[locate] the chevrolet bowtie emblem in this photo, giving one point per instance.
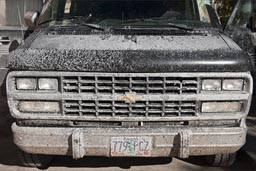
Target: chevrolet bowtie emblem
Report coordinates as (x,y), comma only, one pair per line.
(130,97)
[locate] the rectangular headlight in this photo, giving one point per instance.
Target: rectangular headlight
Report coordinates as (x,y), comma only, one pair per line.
(221,107)
(211,85)
(48,84)
(39,107)
(233,84)
(26,84)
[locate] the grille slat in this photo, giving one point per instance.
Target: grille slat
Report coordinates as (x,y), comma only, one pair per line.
(142,108)
(139,85)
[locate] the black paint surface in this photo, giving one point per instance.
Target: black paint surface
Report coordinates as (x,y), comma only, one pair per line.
(196,59)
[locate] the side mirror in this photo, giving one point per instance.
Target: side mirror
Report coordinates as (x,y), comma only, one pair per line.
(252,23)
(31,18)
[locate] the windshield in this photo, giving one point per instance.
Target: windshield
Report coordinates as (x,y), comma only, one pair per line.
(193,13)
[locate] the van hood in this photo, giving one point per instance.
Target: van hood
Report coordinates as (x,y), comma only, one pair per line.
(208,52)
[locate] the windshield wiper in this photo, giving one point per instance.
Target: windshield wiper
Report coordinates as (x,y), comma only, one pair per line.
(44,22)
(94,26)
(181,27)
(90,25)
(168,24)
(84,22)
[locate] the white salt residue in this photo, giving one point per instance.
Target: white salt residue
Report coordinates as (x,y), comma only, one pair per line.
(122,42)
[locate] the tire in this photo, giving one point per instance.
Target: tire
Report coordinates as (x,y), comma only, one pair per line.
(34,160)
(221,160)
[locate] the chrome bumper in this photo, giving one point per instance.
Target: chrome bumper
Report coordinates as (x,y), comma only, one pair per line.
(80,142)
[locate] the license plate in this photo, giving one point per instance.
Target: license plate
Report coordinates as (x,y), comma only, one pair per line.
(131,146)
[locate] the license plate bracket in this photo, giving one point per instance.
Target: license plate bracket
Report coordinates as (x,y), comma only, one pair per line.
(131,146)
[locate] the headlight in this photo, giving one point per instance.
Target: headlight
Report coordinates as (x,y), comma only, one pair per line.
(26,83)
(211,84)
(233,84)
(221,107)
(48,84)
(39,107)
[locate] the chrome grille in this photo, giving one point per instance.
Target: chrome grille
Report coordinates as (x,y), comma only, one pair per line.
(121,85)
(121,109)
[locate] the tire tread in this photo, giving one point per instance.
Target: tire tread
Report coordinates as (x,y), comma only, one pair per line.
(221,160)
(34,160)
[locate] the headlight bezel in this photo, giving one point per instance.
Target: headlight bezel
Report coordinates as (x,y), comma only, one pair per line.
(37,84)
(223,87)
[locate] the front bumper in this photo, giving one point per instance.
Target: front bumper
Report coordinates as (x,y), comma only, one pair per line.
(80,142)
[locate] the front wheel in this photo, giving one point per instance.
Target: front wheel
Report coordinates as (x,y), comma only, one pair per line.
(34,160)
(221,160)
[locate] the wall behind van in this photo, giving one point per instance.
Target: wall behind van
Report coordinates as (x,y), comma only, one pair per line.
(9,13)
